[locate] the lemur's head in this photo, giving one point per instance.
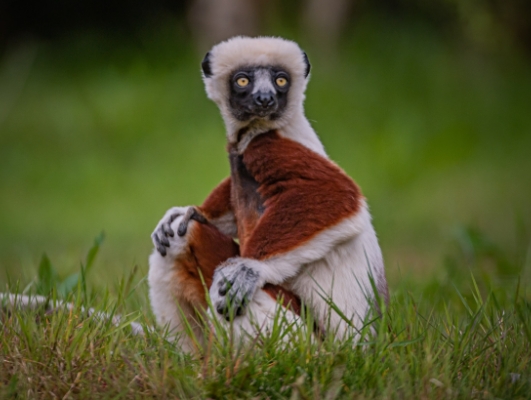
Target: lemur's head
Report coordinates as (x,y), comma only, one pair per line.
(258,83)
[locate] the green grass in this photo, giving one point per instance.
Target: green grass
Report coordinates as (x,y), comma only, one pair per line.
(467,338)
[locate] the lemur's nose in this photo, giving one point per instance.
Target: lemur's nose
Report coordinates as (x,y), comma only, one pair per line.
(264,99)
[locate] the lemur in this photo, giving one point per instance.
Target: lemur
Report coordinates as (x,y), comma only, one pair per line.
(303,226)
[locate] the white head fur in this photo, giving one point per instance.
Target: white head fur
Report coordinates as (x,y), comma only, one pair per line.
(228,56)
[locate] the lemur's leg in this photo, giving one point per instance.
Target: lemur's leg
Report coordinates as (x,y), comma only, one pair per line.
(176,280)
(187,251)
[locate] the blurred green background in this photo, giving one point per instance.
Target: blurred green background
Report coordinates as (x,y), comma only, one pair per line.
(104,123)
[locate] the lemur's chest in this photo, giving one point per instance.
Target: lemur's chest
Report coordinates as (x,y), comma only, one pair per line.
(247,203)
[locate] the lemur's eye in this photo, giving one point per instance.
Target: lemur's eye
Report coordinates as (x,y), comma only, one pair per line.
(281,81)
(242,82)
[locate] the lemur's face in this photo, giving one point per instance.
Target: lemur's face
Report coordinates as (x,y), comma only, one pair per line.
(257,83)
(258,92)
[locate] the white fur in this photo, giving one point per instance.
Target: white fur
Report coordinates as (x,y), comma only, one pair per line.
(164,287)
(262,82)
(226,224)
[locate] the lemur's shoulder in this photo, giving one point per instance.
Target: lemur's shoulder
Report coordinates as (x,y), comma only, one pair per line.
(304,193)
(273,159)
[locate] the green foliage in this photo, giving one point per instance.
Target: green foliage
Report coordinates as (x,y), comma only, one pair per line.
(48,280)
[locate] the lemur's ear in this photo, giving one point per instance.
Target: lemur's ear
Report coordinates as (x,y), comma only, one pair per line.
(205,65)
(308,65)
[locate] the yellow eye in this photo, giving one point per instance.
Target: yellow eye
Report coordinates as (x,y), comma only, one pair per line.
(242,82)
(282,81)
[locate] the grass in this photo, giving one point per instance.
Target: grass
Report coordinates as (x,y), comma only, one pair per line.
(469,338)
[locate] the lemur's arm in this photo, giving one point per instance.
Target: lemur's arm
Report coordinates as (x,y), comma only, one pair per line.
(311,206)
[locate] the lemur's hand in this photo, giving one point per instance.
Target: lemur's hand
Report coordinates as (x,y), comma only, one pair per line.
(175,220)
(235,282)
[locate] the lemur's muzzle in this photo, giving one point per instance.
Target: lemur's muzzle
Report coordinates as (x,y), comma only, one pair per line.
(265,101)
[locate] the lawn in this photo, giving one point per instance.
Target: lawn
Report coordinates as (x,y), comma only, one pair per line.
(99,133)
(468,336)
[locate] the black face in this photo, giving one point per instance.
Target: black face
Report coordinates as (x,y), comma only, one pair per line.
(259,92)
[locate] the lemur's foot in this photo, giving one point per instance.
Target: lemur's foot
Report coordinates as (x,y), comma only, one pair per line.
(176,219)
(235,282)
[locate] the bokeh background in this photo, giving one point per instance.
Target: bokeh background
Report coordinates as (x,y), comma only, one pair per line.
(104,123)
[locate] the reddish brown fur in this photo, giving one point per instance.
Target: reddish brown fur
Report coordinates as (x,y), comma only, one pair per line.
(218,202)
(288,299)
(207,248)
(303,194)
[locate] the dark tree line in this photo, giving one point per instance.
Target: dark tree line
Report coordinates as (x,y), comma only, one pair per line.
(484,22)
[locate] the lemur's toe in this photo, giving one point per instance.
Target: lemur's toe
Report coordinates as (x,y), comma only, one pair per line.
(166,228)
(164,240)
(159,246)
(190,214)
